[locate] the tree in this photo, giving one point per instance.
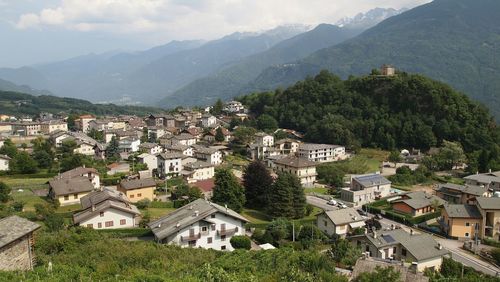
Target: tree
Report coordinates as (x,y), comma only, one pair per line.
(67,147)
(96,135)
(379,275)
(281,197)
(241,242)
(23,163)
(219,135)
(54,222)
(4,192)
(217,108)
(244,135)
(183,190)
(267,123)
(343,252)
(257,182)
(43,158)
(394,157)
(113,150)
(298,196)
(228,191)
(8,148)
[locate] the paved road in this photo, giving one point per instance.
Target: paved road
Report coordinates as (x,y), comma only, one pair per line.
(453,246)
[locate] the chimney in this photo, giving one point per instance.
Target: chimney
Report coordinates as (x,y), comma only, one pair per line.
(411,232)
(374,234)
(190,207)
(177,225)
(93,207)
(83,165)
(225,205)
(196,213)
(440,247)
(159,225)
(489,170)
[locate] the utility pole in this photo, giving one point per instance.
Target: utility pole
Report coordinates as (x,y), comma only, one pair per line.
(293,231)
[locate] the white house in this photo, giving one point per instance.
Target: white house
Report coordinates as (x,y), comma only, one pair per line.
(208,120)
(304,169)
(199,224)
(264,139)
(4,162)
(366,188)
(129,144)
(88,172)
(321,152)
(199,170)
(151,148)
(182,149)
(185,139)
(84,148)
(107,209)
(169,164)
(339,222)
(209,155)
(150,160)
(233,107)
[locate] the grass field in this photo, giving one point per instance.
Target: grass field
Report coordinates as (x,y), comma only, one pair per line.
(318,190)
(23,183)
(260,219)
(156,213)
(28,198)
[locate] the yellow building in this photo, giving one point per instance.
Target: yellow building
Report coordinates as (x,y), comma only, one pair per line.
(138,189)
(461,221)
(68,191)
(490,212)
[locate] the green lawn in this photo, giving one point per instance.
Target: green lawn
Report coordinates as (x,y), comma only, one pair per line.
(319,190)
(156,213)
(22,183)
(260,219)
(28,198)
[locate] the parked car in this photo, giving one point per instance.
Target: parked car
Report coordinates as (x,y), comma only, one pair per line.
(341,205)
(379,216)
(362,212)
(331,202)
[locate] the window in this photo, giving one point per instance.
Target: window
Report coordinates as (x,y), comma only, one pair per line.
(90,225)
(192,243)
(466,234)
(204,229)
(123,221)
(101,214)
(209,240)
(75,196)
(367,248)
(108,224)
(213,215)
(467,224)
(326,222)
(213,227)
(99,225)
(403,252)
(223,237)
(131,196)
(139,195)
(223,247)
(66,197)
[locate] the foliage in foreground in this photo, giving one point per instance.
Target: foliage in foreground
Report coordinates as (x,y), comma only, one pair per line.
(81,255)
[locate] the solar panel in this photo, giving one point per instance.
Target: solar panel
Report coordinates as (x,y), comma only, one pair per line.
(388,238)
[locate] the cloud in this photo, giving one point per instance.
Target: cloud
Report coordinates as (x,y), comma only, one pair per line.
(182,19)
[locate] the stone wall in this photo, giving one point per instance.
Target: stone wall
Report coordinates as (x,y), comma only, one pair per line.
(16,255)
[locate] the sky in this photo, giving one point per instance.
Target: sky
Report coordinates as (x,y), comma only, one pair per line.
(38,31)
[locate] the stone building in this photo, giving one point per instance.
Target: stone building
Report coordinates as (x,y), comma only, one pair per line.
(16,243)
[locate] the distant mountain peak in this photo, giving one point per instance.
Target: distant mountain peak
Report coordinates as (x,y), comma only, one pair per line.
(370,18)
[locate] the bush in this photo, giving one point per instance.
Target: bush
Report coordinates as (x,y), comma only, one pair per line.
(309,209)
(491,242)
(496,255)
(241,242)
(143,204)
(18,206)
(54,222)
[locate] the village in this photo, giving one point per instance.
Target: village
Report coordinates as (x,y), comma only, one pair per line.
(162,178)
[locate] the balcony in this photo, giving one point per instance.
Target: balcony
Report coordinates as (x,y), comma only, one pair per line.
(230,231)
(191,237)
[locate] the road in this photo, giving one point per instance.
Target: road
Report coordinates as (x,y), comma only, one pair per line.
(454,246)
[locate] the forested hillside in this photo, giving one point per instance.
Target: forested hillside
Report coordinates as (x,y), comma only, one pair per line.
(14,103)
(403,111)
(455,41)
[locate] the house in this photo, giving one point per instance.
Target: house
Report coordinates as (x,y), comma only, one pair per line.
(4,162)
(88,172)
(195,131)
(339,222)
(138,189)
(208,154)
(206,186)
(366,188)
(264,139)
(27,128)
(129,144)
(419,249)
(490,213)
(321,152)
(82,123)
(47,127)
(150,148)
(208,120)
(461,194)
(387,70)
(287,146)
(156,132)
(185,139)
(120,167)
(150,160)
(199,224)
(17,243)
(181,149)
(461,221)
(417,203)
(196,171)
(304,169)
(83,147)
(100,151)
(490,180)
(107,209)
(210,136)
(68,191)
(169,164)
(160,120)
(407,272)
(233,107)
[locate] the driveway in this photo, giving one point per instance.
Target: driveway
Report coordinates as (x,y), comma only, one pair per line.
(320,203)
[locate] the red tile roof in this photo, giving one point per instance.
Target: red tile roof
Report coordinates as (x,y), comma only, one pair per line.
(206,185)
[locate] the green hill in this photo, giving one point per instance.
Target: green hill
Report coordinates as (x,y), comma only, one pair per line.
(403,111)
(454,41)
(15,103)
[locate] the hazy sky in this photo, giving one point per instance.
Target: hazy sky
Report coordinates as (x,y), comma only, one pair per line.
(35,31)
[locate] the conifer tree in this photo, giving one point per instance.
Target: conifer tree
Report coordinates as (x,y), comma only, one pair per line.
(228,191)
(257,181)
(280,198)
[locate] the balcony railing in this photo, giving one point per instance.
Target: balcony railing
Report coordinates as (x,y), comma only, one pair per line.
(191,237)
(229,231)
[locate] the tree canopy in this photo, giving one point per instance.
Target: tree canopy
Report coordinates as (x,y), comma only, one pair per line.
(227,190)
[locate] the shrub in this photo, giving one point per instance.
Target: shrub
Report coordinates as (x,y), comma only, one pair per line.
(18,206)
(54,222)
(496,255)
(309,209)
(143,204)
(241,242)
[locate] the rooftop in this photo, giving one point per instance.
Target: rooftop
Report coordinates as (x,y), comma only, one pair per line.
(171,156)
(66,186)
(15,227)
(97,197)
(485,177)
(344,216)
(462,211)
(420,199)
(137,183)
(488,203)
(79,171)
(312,146)
(467,189)
(295,162)
(198,165)
(104,205)
(371,180)
(371,264)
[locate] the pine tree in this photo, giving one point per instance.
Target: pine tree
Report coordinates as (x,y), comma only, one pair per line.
(280,197)
(298,196)
(257,181)
(228,191)
(219,135)
(112,150)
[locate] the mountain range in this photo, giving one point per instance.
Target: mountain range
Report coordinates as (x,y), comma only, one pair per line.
(147,76)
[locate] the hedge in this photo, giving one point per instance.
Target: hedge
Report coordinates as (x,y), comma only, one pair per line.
(491,242)
(127,232)
(111,181)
